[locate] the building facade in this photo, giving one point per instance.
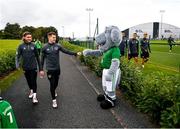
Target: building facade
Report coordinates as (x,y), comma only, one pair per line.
(155,30)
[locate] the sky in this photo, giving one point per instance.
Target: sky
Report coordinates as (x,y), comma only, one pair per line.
(73,17)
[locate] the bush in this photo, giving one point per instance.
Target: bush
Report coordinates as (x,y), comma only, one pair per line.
(7,61)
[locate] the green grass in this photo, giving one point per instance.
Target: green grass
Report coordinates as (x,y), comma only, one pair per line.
(162,41)
(150,67)
(162,58)
(7,81)
(165,48)
(9,44)
(158,41)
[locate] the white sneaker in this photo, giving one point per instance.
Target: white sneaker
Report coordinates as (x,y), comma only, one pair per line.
(31,94)
(54,103)
(56,95)
(34,100)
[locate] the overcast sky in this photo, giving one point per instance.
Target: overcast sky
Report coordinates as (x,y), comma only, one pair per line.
(73,16)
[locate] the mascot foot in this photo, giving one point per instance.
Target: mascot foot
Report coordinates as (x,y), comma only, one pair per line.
(100,97)
(107,104)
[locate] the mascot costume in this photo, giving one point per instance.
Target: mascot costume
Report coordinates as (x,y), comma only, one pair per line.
(108,43)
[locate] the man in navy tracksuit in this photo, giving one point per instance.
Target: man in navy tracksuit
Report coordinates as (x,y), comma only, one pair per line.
(133,48)
(30,59)
(145,49)
(123,45)
(50,54)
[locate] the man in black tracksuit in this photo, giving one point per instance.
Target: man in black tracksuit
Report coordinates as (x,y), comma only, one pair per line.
(123,45)
(133,48)
(170,42)
(145,49)
(50,53)
(30,59)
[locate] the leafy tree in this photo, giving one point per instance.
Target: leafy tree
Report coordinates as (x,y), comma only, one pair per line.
(12,31)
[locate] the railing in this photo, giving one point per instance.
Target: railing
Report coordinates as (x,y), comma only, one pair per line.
(86,44)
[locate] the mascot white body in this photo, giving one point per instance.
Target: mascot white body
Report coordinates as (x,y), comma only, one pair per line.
(108,43)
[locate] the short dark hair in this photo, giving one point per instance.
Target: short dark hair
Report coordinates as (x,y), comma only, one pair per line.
(26,33)
(51,33)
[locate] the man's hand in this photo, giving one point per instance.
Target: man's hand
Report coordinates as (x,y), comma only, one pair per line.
(79,54)
(41,74)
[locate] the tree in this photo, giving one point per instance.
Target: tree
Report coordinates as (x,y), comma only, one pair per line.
(1,34)
(12,31)
(28,28)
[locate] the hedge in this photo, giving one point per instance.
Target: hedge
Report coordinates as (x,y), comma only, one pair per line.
(7,61)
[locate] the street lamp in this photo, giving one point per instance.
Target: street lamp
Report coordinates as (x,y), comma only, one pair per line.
(73,35)
(63,30)
(161,12)
(89,10)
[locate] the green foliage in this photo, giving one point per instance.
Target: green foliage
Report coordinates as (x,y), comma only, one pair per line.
(7,61)
(156,94)
(171,116)
(131,79)
(12,31)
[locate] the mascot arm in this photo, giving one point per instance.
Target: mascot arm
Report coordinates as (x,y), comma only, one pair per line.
(89,52)
(113,68)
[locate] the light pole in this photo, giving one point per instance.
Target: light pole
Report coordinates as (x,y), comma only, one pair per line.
(63,30)
(89,10)
(161,12)
(73,35)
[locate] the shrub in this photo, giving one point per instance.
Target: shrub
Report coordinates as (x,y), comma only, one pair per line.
(7,61)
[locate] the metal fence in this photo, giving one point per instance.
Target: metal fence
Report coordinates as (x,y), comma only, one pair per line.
(86,44)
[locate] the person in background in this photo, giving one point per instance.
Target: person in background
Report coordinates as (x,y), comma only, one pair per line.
(145,49)
(133,48)
(38,45)
(170,42)
(30,60)
(123,45)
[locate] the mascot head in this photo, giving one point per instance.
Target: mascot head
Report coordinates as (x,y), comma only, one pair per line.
(110,38)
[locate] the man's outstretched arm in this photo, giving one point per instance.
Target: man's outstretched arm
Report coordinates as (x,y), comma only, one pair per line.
(67,51)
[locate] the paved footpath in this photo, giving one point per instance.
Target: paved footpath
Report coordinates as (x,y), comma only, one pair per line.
(77,91)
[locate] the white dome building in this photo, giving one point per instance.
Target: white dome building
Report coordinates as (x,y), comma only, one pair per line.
(155,30)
